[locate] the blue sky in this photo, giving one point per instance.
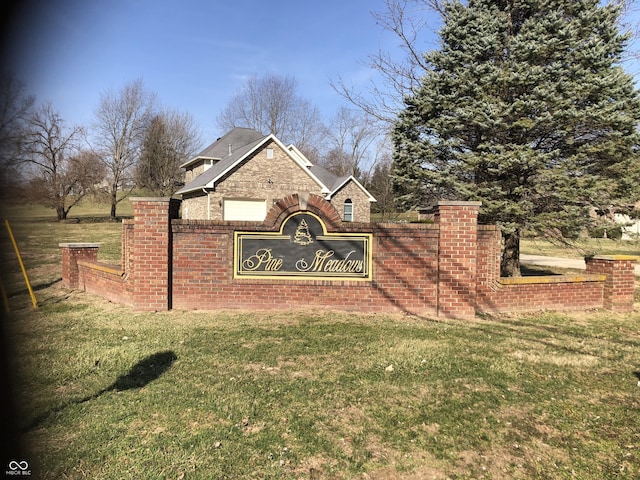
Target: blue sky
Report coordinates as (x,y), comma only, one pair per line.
(195,54)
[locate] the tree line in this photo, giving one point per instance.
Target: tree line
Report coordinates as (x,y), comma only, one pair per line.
(134,142)
(523,105)
(57,165)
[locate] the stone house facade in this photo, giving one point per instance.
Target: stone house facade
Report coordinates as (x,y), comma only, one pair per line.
(242,174)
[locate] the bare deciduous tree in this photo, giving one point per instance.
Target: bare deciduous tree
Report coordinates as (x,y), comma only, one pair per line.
(381,186)
(122,119)
(351,135)
(411,22)
(15,108)
(170,140)
(59,174)
(270,104)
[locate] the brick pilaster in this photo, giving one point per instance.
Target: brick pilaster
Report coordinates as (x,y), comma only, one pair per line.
(150,253)
(619,285)
(457,263)
(71,254)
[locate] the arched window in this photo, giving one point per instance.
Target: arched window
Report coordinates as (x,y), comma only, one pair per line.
(348,210)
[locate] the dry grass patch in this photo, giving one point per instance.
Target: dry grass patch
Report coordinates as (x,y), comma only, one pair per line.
(576,360)
(315,394)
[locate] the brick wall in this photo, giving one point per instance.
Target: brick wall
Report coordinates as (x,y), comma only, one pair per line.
(193,171)
(71,254)
(105,280)
(404,264)
(127,241)
(195,205)
(619,280)
(554,292)
(458,234)
(449,268)
(151,252)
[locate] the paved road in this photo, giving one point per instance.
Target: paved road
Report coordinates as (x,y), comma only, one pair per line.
(561,262)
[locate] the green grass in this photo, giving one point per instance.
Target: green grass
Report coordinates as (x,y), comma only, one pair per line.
(581,248)
(105,392)
(285,395)
(38,235)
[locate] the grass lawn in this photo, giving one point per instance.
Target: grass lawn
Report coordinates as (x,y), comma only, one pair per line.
(105,392)
(583,247)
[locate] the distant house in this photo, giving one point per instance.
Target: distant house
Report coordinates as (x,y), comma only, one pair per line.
(630,226)
(241,175)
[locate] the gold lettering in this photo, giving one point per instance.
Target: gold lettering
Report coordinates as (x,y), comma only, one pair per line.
(345,265)
(324,263)
(262,258)
(321,257)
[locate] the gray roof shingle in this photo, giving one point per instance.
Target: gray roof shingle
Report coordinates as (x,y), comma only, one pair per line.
(237,138)
(228,149)
(330,180)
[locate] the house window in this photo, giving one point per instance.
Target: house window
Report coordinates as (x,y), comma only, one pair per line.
(348,210)
(269,153)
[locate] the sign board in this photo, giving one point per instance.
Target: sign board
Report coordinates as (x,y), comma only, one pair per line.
(302,250)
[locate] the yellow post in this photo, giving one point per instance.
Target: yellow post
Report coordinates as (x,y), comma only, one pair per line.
(24,270)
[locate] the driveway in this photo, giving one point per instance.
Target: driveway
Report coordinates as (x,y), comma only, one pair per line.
(543,261)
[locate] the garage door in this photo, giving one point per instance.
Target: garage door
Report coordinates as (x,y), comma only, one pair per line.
(245,210)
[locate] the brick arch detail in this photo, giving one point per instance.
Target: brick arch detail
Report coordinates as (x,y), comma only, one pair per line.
(290,204)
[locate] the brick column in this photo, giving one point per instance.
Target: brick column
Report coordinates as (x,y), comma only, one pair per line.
(619,285)
(71,253)
(150,253)
(457,258)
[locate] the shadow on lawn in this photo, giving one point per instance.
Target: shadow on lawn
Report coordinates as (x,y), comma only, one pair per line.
(141,374)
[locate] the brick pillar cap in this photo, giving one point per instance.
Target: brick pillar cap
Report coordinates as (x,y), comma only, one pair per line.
(458,203)
(616,257)
(79,245)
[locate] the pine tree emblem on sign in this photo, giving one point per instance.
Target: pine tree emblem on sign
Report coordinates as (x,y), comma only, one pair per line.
(302,235)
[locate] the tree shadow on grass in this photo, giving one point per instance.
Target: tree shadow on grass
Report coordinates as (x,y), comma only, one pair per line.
(140,375)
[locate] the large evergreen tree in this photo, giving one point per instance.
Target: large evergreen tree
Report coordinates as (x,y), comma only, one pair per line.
(526,108)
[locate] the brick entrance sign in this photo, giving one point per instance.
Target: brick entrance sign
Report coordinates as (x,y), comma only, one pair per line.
(304,256)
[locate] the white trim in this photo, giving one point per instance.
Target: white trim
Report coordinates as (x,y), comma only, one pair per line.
(294,150)
(195,159)
(346,180)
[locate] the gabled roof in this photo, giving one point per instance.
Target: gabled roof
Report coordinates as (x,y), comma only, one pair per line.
(232,148)
(330,180)
(234,140)
(234,156)
(335,183)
